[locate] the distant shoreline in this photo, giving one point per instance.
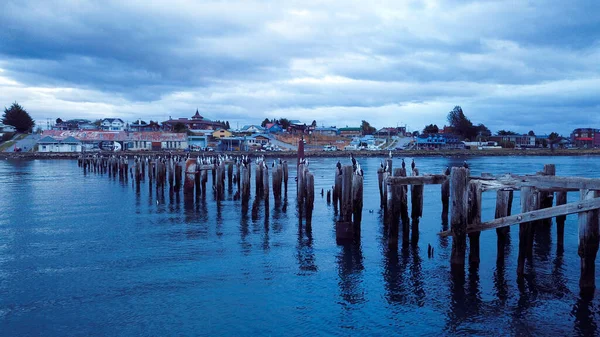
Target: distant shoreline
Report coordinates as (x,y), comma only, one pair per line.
(323,154)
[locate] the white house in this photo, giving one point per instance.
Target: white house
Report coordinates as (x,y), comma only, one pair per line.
(253,129)
(113,124)
(49,144)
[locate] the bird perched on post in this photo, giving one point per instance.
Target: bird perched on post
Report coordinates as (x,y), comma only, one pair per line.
(447,172)
(353,162)
(390,154)
(413,165)
(403,164)
(465,165)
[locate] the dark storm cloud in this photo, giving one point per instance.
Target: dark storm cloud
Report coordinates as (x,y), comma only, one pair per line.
(337,62)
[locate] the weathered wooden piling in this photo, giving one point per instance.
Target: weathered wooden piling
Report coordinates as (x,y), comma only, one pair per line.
(285,175)
(381,186)
(561,199)
(529,202)
(245,183)
(346,209)
(416,198)
(258,180)
(265,182)
(277,181)
(503,209)
(337,189)
(190,176)
(445,197)
(474,217)
(357,200)
(546,197)
(588,242)
(301,187)
(459,179)
(310,193)
(230,176)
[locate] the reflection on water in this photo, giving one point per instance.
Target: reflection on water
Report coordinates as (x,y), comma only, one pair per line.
(120,258)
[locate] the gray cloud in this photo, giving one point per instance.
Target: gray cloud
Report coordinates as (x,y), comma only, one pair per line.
(510,65)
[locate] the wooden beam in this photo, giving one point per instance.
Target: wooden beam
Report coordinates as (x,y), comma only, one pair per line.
(433,179)
(575,207)
(540,182)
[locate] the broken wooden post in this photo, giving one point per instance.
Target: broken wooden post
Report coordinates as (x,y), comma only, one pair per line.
(258,179)
(529,202)
(245,183)
(357,200)
(337,190)
(459,179)
(474,217)
(546,198)
(300,188)
(285,175)
(346,209)
(588,243)
(238,175)
(561,199)
(328,197)
(416,198)
(381,185)
(503,209)
(230,176)
(276,175)
(310,193)
(392,202)
(445,199)
(219,182)
(265,181)
(190,176)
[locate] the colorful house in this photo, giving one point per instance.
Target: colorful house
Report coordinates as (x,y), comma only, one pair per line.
(273,128)
(439,141)
(49,144)
(585,137)
(252,129)
(221,133)
(197,122)
(350,132)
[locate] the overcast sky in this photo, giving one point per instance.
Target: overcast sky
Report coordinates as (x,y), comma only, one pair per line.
(516,65)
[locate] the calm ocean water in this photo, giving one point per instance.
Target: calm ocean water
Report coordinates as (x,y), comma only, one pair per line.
(89,255)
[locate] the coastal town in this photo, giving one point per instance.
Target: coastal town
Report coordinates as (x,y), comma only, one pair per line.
(200,134)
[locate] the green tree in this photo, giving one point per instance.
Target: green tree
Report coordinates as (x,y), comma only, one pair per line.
(314,124)
(285,123)
(264,123)
(366,128)
(98,122)
(431,128)
(531,133)
(59,120)
(227,127)
(179,127)
(461,125)
(483,131)
(18,117)
(553,139)
(506,133)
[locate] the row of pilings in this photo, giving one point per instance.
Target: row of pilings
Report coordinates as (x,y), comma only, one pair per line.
(190,175)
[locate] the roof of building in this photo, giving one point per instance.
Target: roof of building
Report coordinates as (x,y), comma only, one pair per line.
(110,120)
(329,128)
(296,122)
(258,127)
(47,140)
(350,129)
(116,135)
(70,140)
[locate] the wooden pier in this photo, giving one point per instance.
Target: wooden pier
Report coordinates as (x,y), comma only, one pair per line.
(542,195)
(537,193)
